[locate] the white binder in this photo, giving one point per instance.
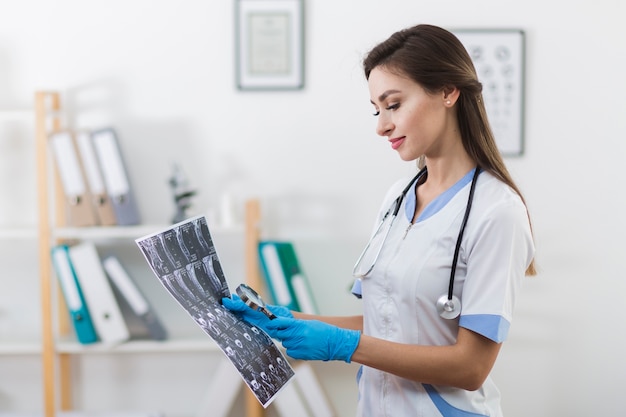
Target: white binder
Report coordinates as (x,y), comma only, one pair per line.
(135,299)
(312,392)
(99,196)
(115,175)
(69,167)
(288,402)
(103,308)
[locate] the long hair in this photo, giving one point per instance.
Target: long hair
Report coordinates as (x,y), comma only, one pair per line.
(437,60)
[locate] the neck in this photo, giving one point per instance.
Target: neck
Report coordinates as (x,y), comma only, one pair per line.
(445,172)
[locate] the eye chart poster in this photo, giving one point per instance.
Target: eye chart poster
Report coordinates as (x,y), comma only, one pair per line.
(498,56)
(184,259)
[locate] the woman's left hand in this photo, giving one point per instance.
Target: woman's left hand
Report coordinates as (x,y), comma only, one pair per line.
(314,340)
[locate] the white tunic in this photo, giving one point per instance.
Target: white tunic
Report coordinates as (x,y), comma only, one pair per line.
(413,271)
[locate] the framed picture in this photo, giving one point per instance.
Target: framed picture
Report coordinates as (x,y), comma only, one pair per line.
(270,44)
(498,56)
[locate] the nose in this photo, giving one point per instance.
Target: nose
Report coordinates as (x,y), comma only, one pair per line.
(384,126)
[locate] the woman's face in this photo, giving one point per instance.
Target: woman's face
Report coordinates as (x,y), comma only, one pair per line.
(413,120)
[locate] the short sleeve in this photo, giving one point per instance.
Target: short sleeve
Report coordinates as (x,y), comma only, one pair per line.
(499,249)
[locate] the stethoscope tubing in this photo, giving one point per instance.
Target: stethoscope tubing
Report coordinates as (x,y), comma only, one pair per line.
(393,213)
(450,307)
(457,247)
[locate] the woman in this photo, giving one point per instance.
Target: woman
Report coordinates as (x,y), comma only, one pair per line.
(438,283)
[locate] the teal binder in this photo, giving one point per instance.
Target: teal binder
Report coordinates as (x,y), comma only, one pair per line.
(74,299)
(287,284)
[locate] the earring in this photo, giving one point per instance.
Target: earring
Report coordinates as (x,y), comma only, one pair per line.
(448,102)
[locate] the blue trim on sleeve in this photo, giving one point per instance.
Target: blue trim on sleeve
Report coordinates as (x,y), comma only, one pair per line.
(445,408)
(491,326)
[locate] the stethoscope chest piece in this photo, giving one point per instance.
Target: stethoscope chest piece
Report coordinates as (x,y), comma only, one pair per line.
(449,308)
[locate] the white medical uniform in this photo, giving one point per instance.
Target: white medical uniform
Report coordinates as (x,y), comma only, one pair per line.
(413,271)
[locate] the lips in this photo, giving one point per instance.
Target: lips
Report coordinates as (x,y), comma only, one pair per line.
(396,142)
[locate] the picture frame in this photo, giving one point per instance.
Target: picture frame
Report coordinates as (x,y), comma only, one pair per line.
(270,44)
(499,58)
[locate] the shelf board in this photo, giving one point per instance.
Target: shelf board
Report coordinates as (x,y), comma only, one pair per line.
(105,232)
(121,232)
(24,232)
(140,346)
(18,348)
(9,114)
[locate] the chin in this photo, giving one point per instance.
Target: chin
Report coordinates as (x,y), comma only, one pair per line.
(407,157)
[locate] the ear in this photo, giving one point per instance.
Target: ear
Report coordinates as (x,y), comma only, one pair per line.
(450,95)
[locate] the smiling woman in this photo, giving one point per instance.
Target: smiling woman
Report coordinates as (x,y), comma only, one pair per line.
(421,351)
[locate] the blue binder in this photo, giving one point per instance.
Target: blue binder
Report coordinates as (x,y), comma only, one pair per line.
(79,313)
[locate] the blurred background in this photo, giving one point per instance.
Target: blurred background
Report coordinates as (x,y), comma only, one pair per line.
(163,74)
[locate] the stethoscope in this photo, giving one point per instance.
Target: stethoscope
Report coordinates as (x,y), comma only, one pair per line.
(448,305)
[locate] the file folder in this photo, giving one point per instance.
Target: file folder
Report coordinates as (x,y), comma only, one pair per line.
(103,308)
(287,283)
(74,299)
(115,176)
(79,211)
(100,200)
(135,299)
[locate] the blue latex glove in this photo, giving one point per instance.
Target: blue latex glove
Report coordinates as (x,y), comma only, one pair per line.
(254,317)
(314,340)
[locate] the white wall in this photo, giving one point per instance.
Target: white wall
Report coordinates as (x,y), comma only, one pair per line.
(163,74)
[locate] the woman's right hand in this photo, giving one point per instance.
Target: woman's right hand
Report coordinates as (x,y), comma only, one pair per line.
(254,317)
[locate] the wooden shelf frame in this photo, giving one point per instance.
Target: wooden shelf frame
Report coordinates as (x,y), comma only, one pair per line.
(47,107)
(56,357)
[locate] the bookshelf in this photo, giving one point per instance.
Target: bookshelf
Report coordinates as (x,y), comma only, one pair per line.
(58,349)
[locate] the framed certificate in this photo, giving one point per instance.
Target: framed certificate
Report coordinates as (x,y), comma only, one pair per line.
(270,44)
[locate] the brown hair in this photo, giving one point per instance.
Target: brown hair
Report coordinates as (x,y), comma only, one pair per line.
(436,59)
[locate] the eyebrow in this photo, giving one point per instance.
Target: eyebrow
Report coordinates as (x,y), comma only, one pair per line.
(386,94)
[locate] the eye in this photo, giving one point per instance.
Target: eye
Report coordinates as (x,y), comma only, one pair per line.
(390,107)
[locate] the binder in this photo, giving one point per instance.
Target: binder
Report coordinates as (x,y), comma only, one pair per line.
(287,283)
(139,305)
(288,402)
(100,200)
(222,393)
(115,176)
(311,391)
(103,308)
(74,299)
(69,166)
(303,396)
